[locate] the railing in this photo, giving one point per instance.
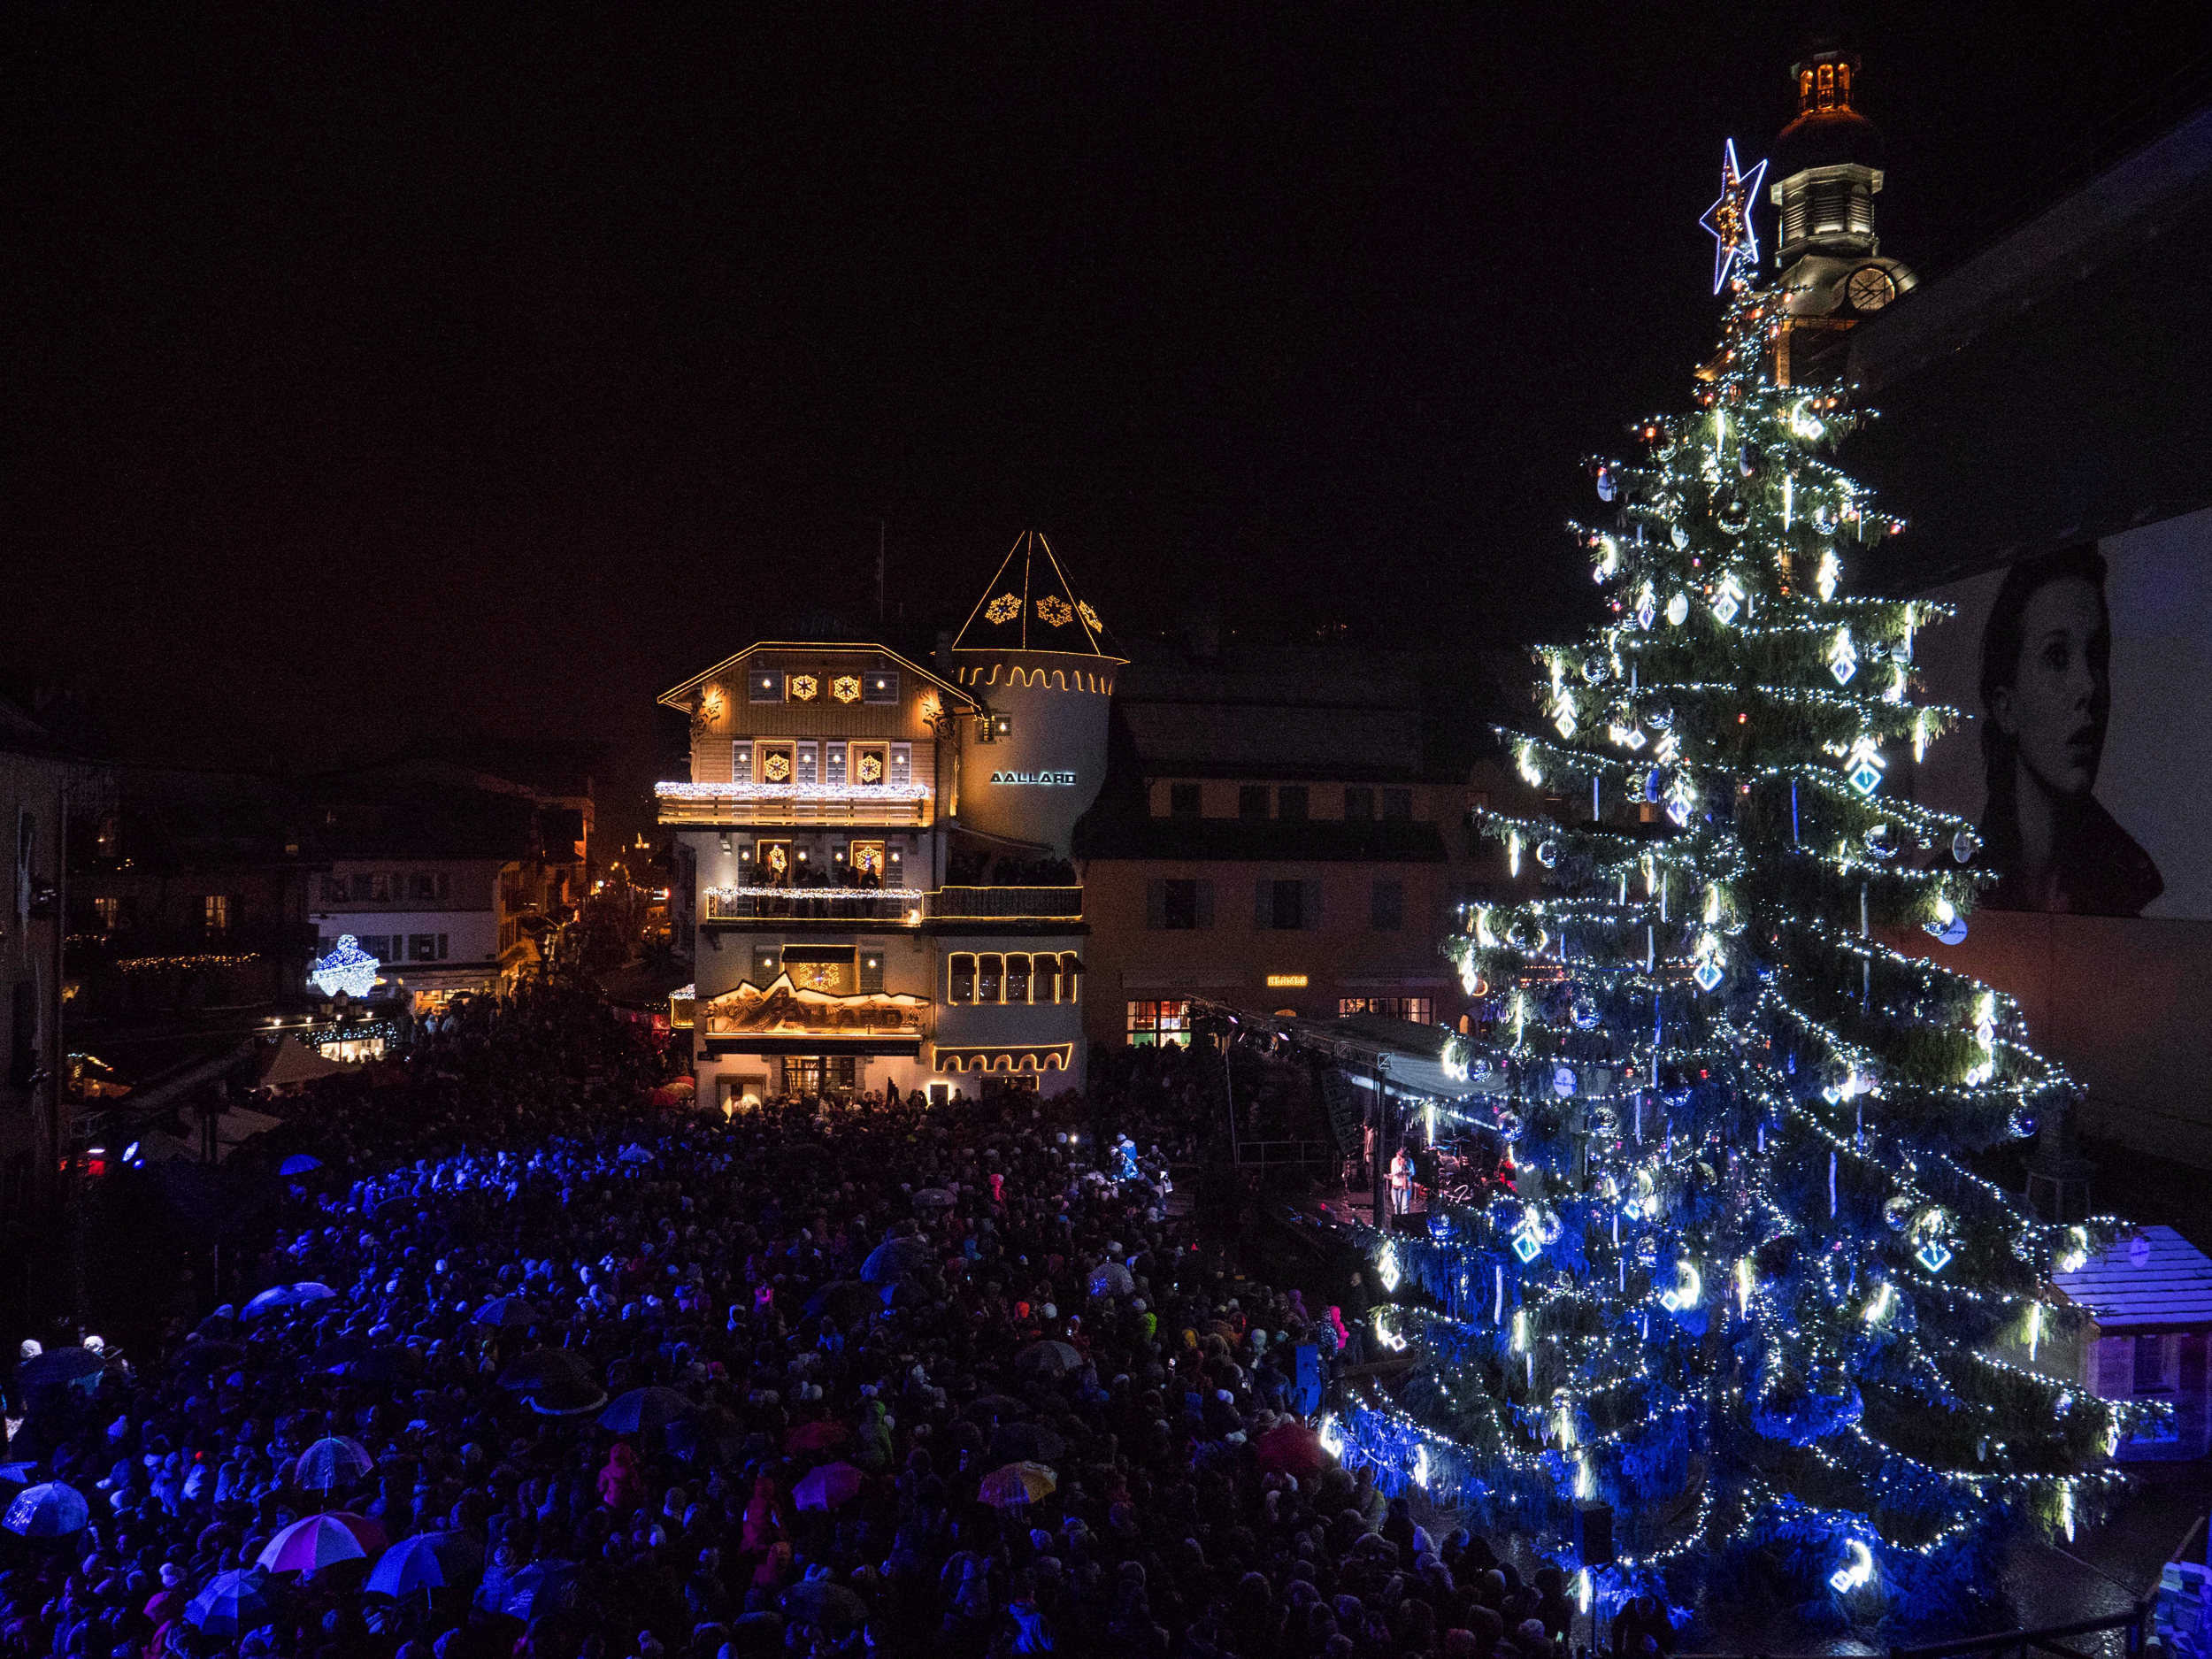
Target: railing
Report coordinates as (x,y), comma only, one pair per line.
(894,805)
(1061,903)
(898,906)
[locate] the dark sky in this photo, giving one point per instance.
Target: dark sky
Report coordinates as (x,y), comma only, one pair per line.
(376,369)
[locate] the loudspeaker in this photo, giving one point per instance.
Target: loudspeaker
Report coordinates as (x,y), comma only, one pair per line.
(1593,1533)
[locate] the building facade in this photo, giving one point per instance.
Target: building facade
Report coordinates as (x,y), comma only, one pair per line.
(883,894)
(1283,830)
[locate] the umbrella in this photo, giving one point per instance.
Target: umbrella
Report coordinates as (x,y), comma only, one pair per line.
(530,1592)
(47,1511)
(845,1301)
(310,1290)
(222,1323)
(428,1560)
(322,1540)
(209,1357)
(508,1312)
(332,1464)
(935,1198)
(1015,1485)
(20,1473)
(297,1295)
(814,1437)
(1112,1278)
(710,1436)
(1027,1443)
(58,1367)
(634,1154)
(1048,1359)
(567,1398)
(826,1487)
(1292,1449)
(337,1356)
(644,1411)
(896,1259)
(299,1163)
(832,1606)
(986,1407)
(232,1603)
(541,1365)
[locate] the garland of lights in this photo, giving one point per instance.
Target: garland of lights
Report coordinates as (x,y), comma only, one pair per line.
(1740,1283)
(791,791)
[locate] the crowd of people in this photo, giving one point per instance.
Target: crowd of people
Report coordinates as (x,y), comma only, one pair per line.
(818,1380)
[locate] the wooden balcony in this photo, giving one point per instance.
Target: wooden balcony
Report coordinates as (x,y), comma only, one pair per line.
(794,805)
(893,907)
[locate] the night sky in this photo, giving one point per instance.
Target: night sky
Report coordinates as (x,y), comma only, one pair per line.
(376,371)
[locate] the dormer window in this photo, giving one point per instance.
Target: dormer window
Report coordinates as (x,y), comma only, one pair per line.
(880,685)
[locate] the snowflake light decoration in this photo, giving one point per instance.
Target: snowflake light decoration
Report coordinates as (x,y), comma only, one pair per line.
(1054,609)
(871,769)
(776,768)
(845,688)
(1005,608)
(804,687)
(347,968)
(1089,616)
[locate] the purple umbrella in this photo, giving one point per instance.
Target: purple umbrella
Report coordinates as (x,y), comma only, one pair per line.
(827,1487)
(322,1540)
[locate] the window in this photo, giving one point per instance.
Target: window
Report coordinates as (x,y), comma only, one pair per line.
(2150,1365)
(1359,803)
(825,968)
(834,764)
(1018,979)
(422,947)
(1185,800)
(879,685)
(990,971)
(1179,906)
(872,971)
(334,889)
(868,863)
(772,866)
(871,764)
(1420,1009)
(960,978)
(1047,979)
(215,913)
(806,771)
(1152,1024)
(1291,802)
(776,763)
(442,941)
(379,946)
(432,885)
(107,910)
(763,684)
(1252,800)
(1070,972)
(364,885)
(740,763)
(767,963)
(1287,906)
(802,687)
(901,765)
(1388,906)
(1397,804)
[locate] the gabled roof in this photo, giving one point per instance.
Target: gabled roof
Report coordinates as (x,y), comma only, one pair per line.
(678,696)
(2170,1288)
(1030,605)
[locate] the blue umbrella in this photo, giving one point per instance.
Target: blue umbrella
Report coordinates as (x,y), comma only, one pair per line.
(47,1511)
(233,1603)
(644,1411)
(299,1163)
(508,1312)
(20,1473)
(896,1259)
(530,1592)
(428,1560)
(60,1366)
(288,1296)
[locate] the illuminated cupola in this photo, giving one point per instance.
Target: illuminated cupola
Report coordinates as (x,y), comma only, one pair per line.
(1827,165)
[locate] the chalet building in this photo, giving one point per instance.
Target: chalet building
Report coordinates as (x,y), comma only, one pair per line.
(883,889)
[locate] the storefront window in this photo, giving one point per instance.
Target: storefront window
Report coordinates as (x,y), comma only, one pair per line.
(1151,1023)
(1420,1009)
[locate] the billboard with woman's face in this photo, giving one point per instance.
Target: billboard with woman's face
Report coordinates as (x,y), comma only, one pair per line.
(2086,673)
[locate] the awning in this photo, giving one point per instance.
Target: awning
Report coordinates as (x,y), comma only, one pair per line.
(825,1043)
(1021,1056)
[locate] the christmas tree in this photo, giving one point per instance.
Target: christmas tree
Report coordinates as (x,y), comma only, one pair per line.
(1742,1285)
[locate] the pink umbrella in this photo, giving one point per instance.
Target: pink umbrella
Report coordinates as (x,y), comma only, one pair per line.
(828,1486)
(322,1540)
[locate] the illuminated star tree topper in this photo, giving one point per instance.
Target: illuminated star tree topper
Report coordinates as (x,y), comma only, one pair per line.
(1729,220)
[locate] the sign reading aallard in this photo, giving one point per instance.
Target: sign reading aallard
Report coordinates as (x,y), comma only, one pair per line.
(1064,780)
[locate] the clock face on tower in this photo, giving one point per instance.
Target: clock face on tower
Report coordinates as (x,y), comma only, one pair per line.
(1869,288)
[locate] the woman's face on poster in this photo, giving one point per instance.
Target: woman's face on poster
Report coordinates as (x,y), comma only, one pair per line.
(2055,707)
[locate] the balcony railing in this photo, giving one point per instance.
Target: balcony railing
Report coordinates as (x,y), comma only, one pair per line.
(889,805)
(897,907)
